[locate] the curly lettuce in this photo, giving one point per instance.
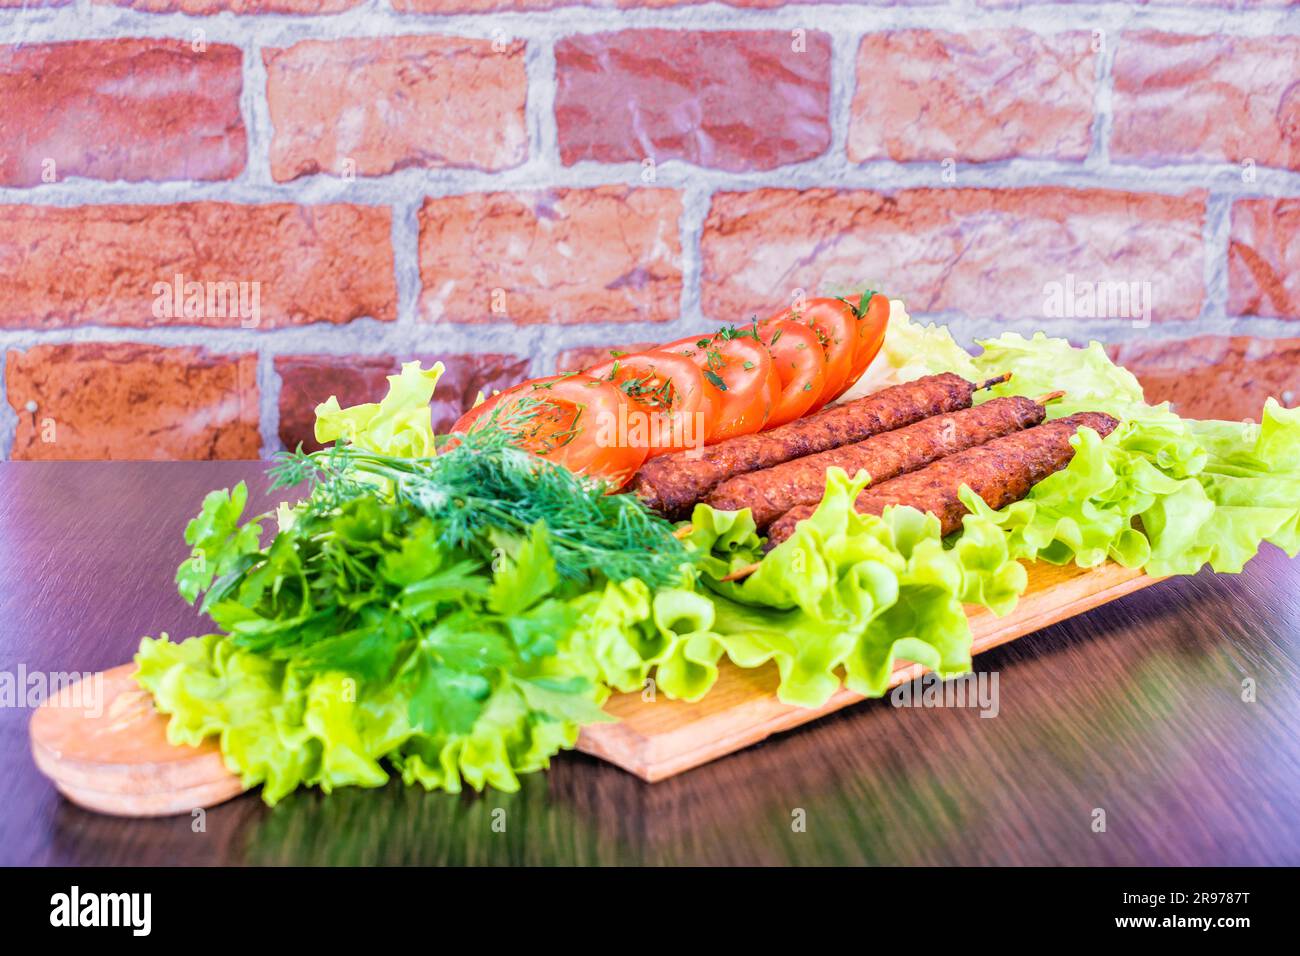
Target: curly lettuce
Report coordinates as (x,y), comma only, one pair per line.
(400,424)
(629,638)
(837,604)
(1042,364)
(282,726)
(1163,493)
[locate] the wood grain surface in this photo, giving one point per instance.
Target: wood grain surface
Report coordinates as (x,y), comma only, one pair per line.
(106,749)
(1134,709)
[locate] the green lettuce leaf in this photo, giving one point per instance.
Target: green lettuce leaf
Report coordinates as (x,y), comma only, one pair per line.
(631,640)
(1247,492)
(850,594)
(1084,512)
(914,350)
(1163,493)
(1090,380)
(689,667)
(281,727)
(400,424)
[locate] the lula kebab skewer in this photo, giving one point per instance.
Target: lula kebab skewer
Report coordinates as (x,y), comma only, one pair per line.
(672,484)
(773,491)
(1000,472)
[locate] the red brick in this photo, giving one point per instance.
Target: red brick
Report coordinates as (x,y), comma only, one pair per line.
(394,102)
(210,7)
(485,6)
(308,380)
(1207,98)
(976,97)
(120,109)
(83,265)
(1221,4)
(981,252)
(733,100)
(609,254)
(1215,376)
(489,6)
(125,401)
(1264,258)
(476,6)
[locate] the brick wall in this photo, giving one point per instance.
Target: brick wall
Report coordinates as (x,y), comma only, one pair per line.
(503,183)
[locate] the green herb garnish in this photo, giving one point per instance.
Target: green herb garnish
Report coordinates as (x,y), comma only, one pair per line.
(483,485)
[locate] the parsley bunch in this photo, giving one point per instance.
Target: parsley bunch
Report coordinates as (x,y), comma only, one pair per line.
(359,633)
(418,611)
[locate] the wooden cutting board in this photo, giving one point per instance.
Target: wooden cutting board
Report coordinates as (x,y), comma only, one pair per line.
(667,737)
(106,749)
(113,756)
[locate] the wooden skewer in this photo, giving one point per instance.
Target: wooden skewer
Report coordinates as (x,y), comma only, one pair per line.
(739,573)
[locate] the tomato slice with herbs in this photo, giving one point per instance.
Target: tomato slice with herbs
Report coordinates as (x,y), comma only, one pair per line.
(669,407)
(834,323)
(800,365)
(573,420)
(872,313)
(740,376)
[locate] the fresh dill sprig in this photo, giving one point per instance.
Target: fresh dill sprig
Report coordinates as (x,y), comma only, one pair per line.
(483,484)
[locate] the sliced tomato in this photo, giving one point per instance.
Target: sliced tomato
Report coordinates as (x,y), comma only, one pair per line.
(834,323)
(740,371)
(687,346)
(800,365)
(573,420)
(872,313)
(669,406)
(714,398)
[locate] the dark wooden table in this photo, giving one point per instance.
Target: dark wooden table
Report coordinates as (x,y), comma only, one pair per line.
(1135,709)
